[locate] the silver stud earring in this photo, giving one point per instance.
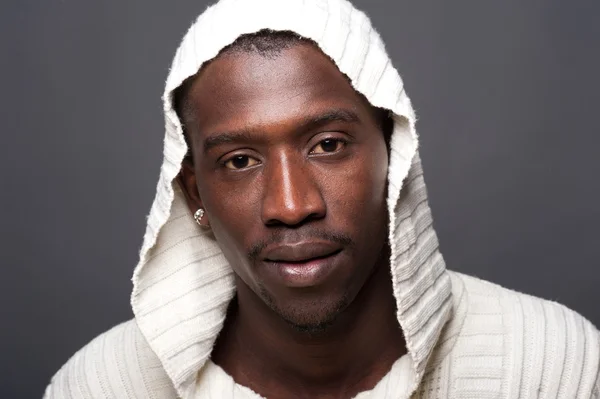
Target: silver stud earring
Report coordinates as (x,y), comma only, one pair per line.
(198,215)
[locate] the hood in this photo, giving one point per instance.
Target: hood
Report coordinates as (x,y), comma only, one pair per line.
(182,284)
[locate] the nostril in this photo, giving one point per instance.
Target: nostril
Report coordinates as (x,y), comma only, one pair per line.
(291,222)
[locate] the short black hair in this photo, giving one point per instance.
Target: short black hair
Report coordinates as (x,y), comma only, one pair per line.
(269,44)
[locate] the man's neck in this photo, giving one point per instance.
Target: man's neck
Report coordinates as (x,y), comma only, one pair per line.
(263,352)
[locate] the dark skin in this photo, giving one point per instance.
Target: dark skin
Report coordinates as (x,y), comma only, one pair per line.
(288,157)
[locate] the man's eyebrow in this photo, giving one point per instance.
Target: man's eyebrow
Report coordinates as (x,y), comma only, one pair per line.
(334,115)
(310,123)
(215,140)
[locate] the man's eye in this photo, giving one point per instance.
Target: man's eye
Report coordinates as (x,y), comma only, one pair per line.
(328,146)
(240,162)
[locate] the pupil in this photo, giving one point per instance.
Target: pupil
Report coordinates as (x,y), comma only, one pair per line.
(240,162)
(329,145)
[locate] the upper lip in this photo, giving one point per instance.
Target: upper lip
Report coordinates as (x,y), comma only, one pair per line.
(300,251)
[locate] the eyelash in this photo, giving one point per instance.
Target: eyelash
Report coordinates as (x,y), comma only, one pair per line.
(342,141)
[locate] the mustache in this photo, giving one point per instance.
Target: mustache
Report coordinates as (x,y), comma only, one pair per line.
(295,236)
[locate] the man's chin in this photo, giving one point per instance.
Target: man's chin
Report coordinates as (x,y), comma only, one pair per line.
(311,327)
(312,316)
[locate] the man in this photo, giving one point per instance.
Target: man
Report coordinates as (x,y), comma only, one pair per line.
(290,251)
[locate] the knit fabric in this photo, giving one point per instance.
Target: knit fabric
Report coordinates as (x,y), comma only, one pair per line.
(497,344)
(465,338)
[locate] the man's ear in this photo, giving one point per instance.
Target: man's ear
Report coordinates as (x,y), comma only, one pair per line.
(187,181)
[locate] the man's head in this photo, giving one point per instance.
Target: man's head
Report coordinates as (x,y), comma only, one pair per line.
(290,164)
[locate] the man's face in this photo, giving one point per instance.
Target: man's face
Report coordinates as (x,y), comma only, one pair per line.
(290,165)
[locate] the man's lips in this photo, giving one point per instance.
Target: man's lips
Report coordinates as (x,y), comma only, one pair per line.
(302,264)
(300,252)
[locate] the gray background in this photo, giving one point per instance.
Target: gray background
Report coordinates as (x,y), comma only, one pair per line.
(508,96)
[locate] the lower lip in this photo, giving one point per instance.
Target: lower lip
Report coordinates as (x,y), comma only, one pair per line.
(305,274)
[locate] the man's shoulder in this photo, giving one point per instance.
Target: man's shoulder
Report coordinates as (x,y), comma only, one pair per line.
(117,364)
(536,343)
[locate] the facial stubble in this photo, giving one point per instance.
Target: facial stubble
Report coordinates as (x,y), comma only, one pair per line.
(315,316)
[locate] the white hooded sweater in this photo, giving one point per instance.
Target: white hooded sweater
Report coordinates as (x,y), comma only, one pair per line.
(466,338)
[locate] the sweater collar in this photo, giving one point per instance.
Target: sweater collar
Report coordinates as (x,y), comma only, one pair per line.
(182,284)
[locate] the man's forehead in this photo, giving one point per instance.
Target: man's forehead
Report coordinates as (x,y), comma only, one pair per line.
(306,63)
(250,87)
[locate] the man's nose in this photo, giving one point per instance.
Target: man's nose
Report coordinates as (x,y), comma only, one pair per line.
(291,194)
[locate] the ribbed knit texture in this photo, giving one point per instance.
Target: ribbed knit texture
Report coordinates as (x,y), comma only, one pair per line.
(498,344)
(465,338)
